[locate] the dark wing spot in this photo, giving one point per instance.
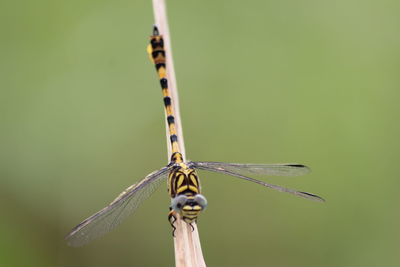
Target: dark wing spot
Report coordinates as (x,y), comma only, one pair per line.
(296,165)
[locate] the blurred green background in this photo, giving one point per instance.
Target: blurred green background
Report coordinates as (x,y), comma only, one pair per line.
(314,82)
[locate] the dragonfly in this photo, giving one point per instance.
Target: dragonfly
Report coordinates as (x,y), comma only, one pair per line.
(181,176)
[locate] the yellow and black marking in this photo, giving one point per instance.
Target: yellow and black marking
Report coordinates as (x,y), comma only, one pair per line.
(182,180)
(157,55)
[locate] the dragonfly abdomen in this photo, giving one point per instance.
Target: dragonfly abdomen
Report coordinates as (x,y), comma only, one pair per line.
(157,55)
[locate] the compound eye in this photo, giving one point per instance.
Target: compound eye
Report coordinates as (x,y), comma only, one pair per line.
(201,200)
(178,202)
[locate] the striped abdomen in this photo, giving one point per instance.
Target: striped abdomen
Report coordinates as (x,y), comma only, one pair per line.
(157,54)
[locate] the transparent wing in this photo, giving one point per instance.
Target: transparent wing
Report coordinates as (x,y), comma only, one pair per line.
(125,204)
(288,169)
(226,168)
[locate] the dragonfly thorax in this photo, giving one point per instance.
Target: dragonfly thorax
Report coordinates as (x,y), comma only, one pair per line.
(184,189)
(183,180)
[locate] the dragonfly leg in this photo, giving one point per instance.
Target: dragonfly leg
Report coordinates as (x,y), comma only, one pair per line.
(172,220)
(191,225)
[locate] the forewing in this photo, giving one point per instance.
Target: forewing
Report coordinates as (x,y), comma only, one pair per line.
(286,169)
(125,204)
(221,169)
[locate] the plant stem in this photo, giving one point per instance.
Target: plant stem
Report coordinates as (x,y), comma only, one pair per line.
(187,245)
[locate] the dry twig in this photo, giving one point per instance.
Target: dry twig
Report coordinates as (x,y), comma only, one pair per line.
(187,242)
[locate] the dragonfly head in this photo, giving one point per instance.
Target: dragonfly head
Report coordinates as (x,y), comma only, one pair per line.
(189,207)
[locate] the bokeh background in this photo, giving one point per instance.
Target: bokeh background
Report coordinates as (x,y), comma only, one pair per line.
(314,82)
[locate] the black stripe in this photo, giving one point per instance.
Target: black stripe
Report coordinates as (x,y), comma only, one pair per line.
(176,178)
(154,43)
(191,212)
(195,178)
(173,138)
(159,65)
(154,54)
(170,119)
(164,83)
(167,101)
